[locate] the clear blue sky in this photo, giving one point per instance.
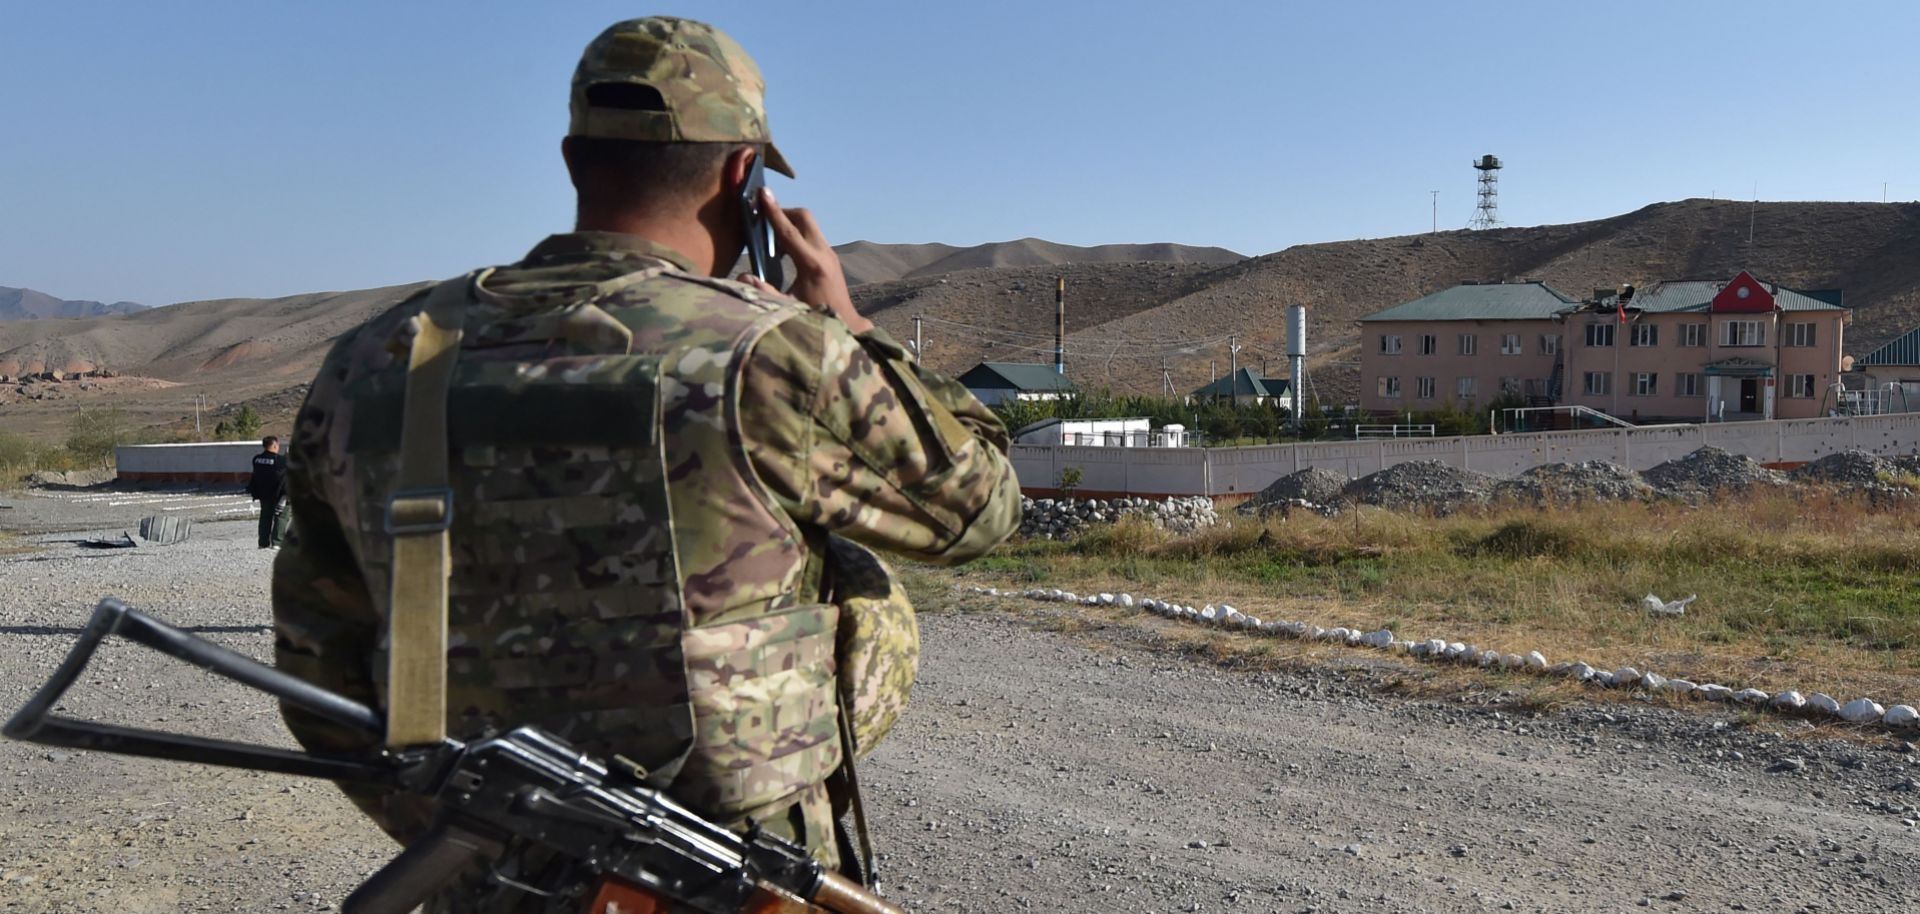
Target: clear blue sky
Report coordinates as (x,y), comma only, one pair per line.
(161,152)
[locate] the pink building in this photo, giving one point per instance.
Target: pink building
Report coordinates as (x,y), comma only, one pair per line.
(1681,350)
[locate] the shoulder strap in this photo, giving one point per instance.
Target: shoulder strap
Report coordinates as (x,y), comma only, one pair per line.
(419,511)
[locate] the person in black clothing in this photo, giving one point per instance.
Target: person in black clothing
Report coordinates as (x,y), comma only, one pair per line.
(269,487)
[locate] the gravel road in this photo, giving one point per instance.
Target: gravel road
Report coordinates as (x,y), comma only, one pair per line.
(1080,771)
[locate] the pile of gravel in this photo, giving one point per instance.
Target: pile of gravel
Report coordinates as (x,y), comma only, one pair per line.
(1059,518)
(1847,468)
(1312,486)
(1593,480)
(1707,471)
(1421,484)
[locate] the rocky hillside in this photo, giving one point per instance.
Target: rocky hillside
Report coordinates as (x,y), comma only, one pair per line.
(1130,309)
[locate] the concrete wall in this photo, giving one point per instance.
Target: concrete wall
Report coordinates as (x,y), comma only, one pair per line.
(1246,470)
(219,462)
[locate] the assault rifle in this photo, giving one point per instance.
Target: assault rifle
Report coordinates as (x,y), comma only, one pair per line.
(627,848)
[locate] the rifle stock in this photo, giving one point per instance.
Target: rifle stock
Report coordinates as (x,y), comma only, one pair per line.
(637,849)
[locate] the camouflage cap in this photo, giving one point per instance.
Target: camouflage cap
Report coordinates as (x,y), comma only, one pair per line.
(711,90)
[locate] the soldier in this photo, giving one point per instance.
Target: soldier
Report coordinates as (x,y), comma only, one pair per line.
(645,490)
(269,487)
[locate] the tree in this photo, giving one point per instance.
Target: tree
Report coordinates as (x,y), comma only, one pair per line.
(244,425)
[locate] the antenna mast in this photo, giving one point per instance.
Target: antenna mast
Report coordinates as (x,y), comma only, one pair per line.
(1487,215)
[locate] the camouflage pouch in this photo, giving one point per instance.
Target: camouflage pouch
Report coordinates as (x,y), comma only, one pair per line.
(878,645)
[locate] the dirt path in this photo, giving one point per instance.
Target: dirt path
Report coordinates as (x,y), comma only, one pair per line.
(1088,771)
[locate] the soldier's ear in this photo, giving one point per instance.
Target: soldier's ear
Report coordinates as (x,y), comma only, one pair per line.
(733,171)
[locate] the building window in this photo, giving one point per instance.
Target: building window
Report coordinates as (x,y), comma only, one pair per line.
(1423,388)
(1429,344)
(1800,385)
(1644,383)
(1549,344)
(1693,336)
(1467,388)
(1390,388)
(1691,384)
(1509,387)
(1743,333)
(1469,344)
(1598,383)
(1599,334)
(1389,344)
(1799,334)
(1510,344)
(1645,335)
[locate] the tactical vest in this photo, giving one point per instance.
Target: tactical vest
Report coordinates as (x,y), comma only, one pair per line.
(568,415)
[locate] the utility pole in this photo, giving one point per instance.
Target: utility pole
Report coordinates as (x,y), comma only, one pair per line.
(1060,325)
(199,401)
(1436,211)
(1166,378)
(1233,371)
(919,346)
(1883,191)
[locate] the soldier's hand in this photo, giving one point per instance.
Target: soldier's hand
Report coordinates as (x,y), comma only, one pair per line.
(817,279)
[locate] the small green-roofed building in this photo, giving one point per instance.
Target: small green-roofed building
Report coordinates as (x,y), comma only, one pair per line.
(1246,386)
(996,382)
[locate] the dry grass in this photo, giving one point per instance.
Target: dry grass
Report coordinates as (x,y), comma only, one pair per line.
(1795,590)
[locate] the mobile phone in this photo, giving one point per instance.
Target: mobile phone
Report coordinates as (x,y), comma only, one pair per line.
(761,257)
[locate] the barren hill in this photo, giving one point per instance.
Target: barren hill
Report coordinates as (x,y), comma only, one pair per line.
(1870,250)
(30,305)
(866,261)
(1125,318)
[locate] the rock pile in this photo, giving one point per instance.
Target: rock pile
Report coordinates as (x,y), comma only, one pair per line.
(1422,484)
(1707,471)
(1312,486)
(1848,468)
(1594,480)
(1058,518)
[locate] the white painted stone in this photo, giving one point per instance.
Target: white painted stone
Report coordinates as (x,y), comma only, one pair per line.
(1652,681)
(1821,701)
(1681,686)
(1093,599)
(1625,677)
(1580,672)
(1229,610)
(1381,638)
(1512,661)
(1789,701)
(1126,600)
(1862,710)
(1751,697)
(1432,647)
(1066,596)
(1315,633)
(1455,651)
(1401,647)
(1337,633)
(1536,661)
(1252,621)
(1210,613)
(1603,678)
(1714,691)
(1902,716)
(1489,657)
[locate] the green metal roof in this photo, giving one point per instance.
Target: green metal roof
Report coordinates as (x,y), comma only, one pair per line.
(1506,301)
(1017,375)
(1903,350)
(1248,383)
(1697,294)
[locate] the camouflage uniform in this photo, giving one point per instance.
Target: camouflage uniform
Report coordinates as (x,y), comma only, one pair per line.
(657,479)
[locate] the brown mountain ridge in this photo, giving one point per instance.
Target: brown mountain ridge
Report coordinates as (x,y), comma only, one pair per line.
(1133,323)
